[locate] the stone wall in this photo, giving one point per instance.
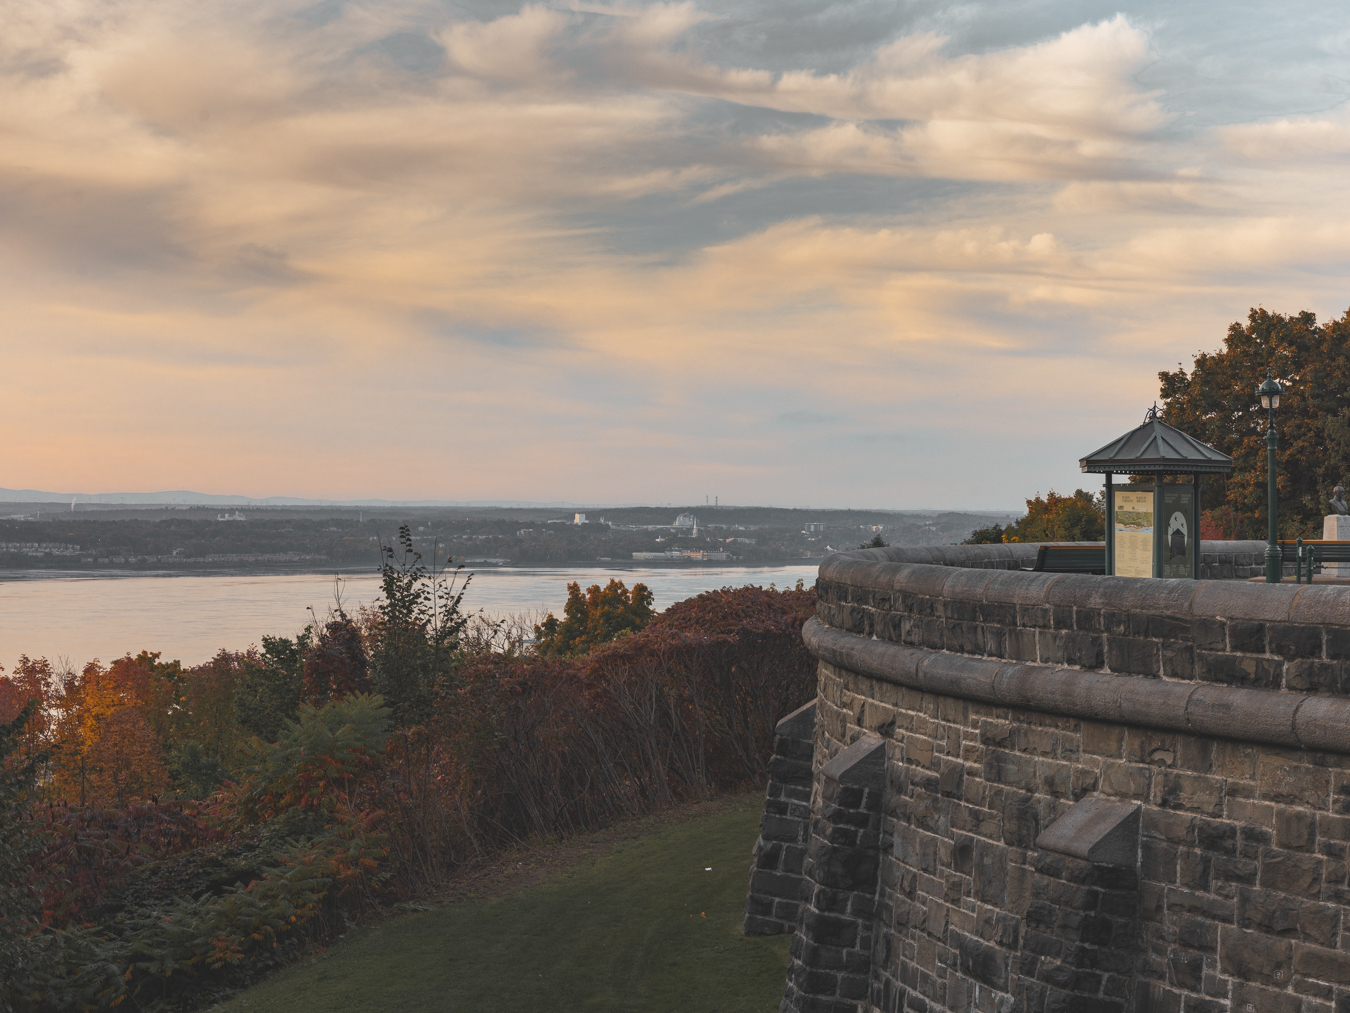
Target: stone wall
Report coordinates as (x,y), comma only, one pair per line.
(1099,794)
(1218,560)
(1228,632)
(773,904)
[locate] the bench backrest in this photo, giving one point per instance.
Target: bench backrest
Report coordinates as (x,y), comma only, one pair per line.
(1317,550)
(1071,559)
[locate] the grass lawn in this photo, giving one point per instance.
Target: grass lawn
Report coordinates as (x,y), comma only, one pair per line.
(646,927)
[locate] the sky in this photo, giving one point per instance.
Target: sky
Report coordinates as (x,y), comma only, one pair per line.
(868,254)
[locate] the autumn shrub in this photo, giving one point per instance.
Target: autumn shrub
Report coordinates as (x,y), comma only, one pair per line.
(164,900)
(678,709)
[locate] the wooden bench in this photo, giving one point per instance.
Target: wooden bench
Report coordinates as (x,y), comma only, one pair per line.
(1070,559)
(1309,553)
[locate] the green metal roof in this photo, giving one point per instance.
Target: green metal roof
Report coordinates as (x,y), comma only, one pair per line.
(1156,448)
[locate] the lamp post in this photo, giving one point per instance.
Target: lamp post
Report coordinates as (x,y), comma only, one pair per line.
(1269,392)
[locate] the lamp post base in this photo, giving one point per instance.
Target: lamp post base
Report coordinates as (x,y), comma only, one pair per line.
(1273,565)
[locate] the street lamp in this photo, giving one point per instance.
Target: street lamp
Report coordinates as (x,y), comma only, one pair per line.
(1270,400)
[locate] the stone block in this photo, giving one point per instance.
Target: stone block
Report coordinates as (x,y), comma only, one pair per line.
(1197,793)
(1323,723)
(1313,675)
(800,724)
(1290,641)
(1133,656)
(1255,957)
(1247,637)
(1287,783)
(1096,829)
(1239,670)
(989,873)
(1201,905)
(1238,601)
(1292,872)
(1102,739)
(1268,911)
(1249,998)
(1178,660)
(863,764)
(1322,963)
(1337,643)
(983,962)
(1295,829)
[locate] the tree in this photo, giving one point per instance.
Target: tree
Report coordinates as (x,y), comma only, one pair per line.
(1216,402)
(125,762)
(595,618)
(335,664)
(415,630)
(207,712)
(33,680)
(1077,518)
(20,907)
(270,691)
(992,535)
(877,542)
(112,728)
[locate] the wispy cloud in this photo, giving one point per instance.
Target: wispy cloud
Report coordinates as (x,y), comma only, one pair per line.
(610,250)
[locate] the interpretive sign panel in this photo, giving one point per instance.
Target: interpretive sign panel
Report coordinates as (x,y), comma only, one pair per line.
(1133,530)
(1174,528)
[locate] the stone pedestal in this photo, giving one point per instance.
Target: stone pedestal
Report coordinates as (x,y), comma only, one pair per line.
(1336,527)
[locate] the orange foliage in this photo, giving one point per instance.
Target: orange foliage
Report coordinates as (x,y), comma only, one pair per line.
(126,762)
(111,727)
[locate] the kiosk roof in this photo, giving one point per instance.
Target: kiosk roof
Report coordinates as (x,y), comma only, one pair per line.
(1156,448)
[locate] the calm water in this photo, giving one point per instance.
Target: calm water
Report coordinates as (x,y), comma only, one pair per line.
(191,617)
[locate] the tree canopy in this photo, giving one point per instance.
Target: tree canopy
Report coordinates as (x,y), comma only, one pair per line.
(1216,402)
(595,618)
(1054,518)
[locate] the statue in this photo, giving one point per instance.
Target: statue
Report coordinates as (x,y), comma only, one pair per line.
(1338,504)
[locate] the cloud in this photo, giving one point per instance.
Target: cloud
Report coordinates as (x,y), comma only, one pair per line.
(593,252)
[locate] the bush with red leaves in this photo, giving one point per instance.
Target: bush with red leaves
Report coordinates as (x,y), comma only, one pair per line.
(681,708)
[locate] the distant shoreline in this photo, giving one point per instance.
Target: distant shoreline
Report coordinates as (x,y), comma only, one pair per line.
(14,575)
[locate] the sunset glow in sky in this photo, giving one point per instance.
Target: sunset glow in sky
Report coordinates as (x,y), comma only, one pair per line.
(831,253)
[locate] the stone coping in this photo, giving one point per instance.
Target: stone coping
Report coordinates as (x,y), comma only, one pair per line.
(956,572)
(1300,721)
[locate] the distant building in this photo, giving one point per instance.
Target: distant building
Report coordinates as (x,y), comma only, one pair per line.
(706,554)
(579,519)
(813,528)
(685,521)
(668,554)
(236,516)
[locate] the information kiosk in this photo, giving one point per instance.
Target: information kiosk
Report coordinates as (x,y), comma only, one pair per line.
(1153,527)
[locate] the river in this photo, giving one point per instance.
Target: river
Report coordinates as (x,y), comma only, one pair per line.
(190,617)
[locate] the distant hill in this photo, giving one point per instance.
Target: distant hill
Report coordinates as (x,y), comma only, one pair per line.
(183,497)
(633,513)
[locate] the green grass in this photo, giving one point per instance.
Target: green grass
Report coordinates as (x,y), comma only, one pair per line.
(645,928)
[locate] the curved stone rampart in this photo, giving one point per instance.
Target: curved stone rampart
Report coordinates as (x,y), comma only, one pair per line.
(1099,793)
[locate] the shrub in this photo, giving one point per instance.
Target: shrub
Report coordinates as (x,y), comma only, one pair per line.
(596,618)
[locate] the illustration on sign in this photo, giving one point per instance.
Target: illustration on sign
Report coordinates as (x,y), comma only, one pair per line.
(1134,533)
(1176,536)
(1176,545)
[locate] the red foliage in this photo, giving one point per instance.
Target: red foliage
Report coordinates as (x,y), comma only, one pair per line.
(336,664)
(91,851)
(1222,524)
(32,680)
(684,706)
